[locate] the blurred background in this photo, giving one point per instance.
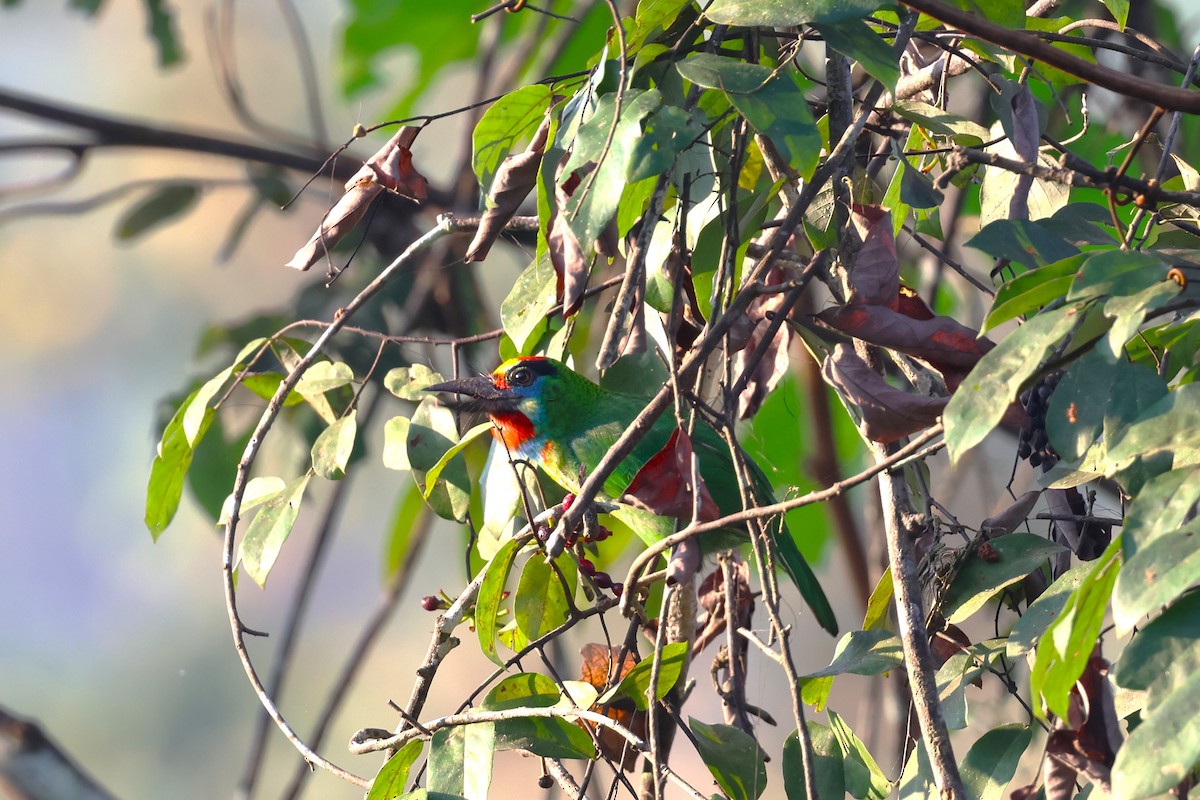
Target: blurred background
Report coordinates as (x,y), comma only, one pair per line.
(117,645)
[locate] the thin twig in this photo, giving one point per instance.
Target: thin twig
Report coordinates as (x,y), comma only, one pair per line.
(242,477)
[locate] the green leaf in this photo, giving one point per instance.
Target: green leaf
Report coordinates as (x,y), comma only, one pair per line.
(1156,575)
(733,757)
(541,602)
(1160,508)
(787,13)
(431,433)
(959,671)
(1119,9)
(863,653)
(214,464)
(160,25)
(916,782)
(653,15)
(879,602)
(324,376)
(507,122)
(406,521)
(864,779)
(522,690)
(1036,244)
(167,473)
(331,451)
(636,683)
(391,779)
(1038,617)
(1117,272)
(258,491)
(491,593)
(156,209)
(979,580)
(992,761)
(432,475)
(857,40)
(1066,646)
(269,530)
(774,105)
(460,760)
(1170,427)
(395,443)
(1029,291)
(1164,653)
(827,764)
(995,381)
(523,312)
(1084,417)
(1163,749)
(410,383)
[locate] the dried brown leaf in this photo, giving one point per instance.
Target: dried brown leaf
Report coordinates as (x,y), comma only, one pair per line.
(515,179)
(389,169)
(887,413)
(875,276)
(664,483)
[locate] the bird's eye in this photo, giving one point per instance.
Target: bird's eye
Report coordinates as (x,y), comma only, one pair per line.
(520,376)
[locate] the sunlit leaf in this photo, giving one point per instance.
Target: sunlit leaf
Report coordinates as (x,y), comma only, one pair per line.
(392,779)
(1064,649)
(636,683)
(460,760)
(995,381)
(1163,749)
(268,531)
(491,594)
(331,451)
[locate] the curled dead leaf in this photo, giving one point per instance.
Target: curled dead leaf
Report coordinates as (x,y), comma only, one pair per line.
(515,179)
(389,169)
(886,413)
(664,483)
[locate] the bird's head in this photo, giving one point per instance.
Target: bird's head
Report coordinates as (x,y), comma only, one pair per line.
(514,396)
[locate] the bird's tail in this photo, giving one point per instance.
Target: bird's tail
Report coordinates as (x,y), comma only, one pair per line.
(797,567)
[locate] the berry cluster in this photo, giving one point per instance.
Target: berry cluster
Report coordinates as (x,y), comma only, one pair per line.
(602,579)
(1033,443)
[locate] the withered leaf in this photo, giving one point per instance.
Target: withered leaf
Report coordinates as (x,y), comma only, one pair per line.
(776,361)
(887,413)
(664,483)
(875,276)
(598,668)
(389,169)
(515,179)
(946,344)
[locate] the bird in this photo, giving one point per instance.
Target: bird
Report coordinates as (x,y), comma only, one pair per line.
(549,415)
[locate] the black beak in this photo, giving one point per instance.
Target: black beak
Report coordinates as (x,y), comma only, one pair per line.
(480,388)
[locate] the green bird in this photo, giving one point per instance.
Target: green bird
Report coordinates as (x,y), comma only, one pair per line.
(549,415)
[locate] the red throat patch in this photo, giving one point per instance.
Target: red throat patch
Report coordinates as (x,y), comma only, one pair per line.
(513,428)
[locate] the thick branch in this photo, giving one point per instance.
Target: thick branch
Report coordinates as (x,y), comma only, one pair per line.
(918,660)
(1030,44)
